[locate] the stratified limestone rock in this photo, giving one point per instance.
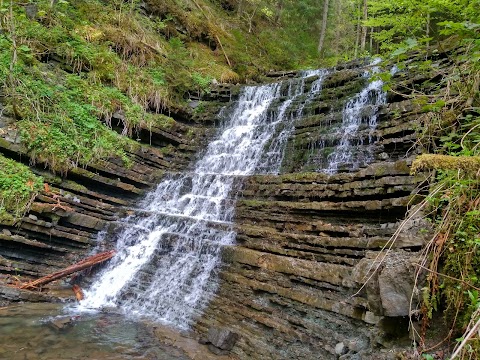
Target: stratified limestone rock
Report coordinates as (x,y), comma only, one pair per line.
(16,294)
(389,278)
(318,132)
(64,219)
(306,242)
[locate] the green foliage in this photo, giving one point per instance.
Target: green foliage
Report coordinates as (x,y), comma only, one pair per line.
(60,127)
(402,26)
(201,83)
(462,257)
(18,187)
(455,203)
(77,70)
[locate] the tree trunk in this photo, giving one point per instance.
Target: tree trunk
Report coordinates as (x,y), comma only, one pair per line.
(324,26)
(364,28)
(278,12)
(82,265)
(339,29)
(427,29)
(371,40)
(359,27)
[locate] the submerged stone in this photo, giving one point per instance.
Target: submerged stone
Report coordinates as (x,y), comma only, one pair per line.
(62,323)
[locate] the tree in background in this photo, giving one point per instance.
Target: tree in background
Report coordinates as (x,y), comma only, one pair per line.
(324,26)
(394,21)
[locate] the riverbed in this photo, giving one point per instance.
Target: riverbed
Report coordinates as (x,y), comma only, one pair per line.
(45,331)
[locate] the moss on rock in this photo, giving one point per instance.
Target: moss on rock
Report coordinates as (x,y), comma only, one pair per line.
(18,187)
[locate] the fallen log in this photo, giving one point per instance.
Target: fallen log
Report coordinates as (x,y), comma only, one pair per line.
(82,265)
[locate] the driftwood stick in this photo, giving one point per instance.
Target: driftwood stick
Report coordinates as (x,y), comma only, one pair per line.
(84,264)
(224,53)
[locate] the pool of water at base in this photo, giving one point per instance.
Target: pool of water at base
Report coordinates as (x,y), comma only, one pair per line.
(28,332)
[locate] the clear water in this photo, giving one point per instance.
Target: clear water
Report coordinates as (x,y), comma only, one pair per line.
(27,333)
(168,256)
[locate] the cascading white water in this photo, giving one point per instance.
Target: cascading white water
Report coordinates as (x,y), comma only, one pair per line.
(168,255)
(359,111)
(272,157)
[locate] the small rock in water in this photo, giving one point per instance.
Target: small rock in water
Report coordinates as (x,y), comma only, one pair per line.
(109,310)
(222,338)
(340,349)
(62,323)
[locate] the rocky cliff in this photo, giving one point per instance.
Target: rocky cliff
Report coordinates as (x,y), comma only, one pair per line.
(64,220)
(292,287)
(325,266)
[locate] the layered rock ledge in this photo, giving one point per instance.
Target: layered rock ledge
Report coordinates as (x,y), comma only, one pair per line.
(305,244)
(292,286)
(64,220)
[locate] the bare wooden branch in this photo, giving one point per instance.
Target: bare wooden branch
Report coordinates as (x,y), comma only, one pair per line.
(82,265)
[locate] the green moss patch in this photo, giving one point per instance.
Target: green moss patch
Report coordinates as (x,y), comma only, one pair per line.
(18,187)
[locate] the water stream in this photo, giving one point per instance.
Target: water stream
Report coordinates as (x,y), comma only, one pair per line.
(39,331)
(359,120)
(169,254)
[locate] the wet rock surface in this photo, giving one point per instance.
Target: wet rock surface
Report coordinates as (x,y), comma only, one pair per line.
(324,264)
(298,284)
(65,218)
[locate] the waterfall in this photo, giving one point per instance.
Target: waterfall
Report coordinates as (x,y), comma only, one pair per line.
(169,254)
(359,120)
(273,155)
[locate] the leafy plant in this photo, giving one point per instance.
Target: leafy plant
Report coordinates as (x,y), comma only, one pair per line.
(18,187)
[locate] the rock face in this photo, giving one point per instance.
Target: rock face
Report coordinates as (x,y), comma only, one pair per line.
(220,340)
(65,218)
(299,282)
(324,265)
(306,243)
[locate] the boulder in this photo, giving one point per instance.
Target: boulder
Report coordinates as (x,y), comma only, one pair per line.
(221,338)
(390,288)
